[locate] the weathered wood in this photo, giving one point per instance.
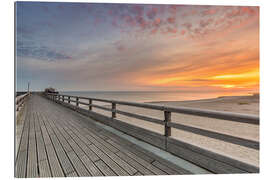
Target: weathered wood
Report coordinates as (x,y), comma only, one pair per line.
(113,110)
(167,119)
(51,154)
(77,101)
(104,168)
(119,171)
(237,117)
(101,107)
(220,136)
(91,167)
(145,118)
(90,104)
(135,164)
(165,168)
(78,165)
(204,158)
(44,169)
(32,163)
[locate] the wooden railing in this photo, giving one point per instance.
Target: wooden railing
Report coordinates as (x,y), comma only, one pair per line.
(165,141)
(166,122)
(20,100)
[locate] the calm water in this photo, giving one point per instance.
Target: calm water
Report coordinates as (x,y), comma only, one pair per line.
(145,96)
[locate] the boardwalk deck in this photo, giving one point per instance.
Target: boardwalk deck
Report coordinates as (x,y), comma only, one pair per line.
(56,142)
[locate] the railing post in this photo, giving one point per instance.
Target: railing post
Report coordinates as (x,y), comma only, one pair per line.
(113,110)
(90,104)
(63,98)
(69,99)
(167,119)
(77,101)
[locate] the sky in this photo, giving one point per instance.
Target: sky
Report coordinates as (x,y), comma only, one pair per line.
(137,47)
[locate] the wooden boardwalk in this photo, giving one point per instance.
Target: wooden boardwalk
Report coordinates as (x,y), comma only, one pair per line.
(57,142)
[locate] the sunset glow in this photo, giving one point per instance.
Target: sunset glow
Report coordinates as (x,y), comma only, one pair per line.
(84,46)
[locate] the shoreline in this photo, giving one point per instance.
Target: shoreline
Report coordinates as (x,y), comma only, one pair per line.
(248,104)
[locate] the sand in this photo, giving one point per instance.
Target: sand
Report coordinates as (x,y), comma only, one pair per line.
(239,104)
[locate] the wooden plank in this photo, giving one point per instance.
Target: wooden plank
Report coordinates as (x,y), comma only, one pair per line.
(78,165)
(232,165)
(44,169)
(89,153)
(118,170)
(32,164)
(86,150)
(116,159)
(144,118)
(153,138)
(131,148)
(138,174)
(43,163)
(62,157)
(21,164)
(164,168)
(61,154)
(104,168)
(203,161)
(216,135)
(91,167)
(21,161)
(144,155)
(90,136)
(140,159)
(72,174)
(52,157)
(135,164)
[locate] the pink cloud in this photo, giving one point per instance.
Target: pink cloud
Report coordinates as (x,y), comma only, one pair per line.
(171,20)
(172,30)
(204,23)
(187,25)
(249,10)
(183,32)
(154,31)
(211,11)
(138,10)
(141,21)
(130,20)
(173,9)
(152,13)
(157,22)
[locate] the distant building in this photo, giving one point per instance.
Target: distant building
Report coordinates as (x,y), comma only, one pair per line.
(50,90)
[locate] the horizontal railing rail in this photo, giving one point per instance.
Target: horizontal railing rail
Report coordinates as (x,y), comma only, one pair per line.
(20,100)
(166,122)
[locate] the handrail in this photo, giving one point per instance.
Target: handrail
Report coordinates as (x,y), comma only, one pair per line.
(20,100)
(166,122)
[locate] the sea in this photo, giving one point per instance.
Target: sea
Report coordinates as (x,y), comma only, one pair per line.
(147,96)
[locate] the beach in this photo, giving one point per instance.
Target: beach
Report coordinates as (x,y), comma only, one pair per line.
(239,104)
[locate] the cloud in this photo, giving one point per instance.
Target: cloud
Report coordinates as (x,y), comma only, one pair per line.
(39,52)
(211,11)
(171,20)
(172,30)
(183,32)
(151,14)
(204,23)
(187,25)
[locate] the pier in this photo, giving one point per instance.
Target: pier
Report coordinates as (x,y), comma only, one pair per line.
(60,138)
